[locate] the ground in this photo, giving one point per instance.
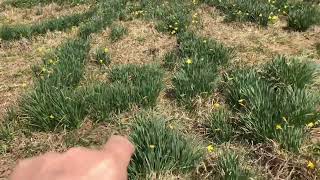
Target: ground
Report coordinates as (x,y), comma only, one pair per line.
(145,43)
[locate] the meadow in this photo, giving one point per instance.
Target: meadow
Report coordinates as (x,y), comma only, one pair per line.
(204,89)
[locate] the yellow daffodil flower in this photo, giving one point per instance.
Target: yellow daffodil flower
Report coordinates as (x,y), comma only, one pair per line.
(216,106)
(189,61)
(310,125)
(210,148)
(310,165)
(51,116)
(152,146)
(106,50)
(278,127)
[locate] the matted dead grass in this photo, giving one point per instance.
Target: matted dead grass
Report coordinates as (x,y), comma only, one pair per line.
(255,44)
(13,15)
(143,44)
(17,58)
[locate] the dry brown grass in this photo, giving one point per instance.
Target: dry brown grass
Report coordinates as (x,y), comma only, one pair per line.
(255,44)
(13,15)
(143,44)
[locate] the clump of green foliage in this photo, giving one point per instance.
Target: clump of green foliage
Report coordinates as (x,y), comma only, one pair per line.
(230,167)
(272,107)
(106,12)
(103,56)
(172,16)
(281,72)
(302,16)
(220,126)
(171,59)
(200,59)
(31,3)
(65,68)
(53,104)
(117,32)
(131,86)
(262,12)
(160,149)
(13,32)
(145,80)
(48,108)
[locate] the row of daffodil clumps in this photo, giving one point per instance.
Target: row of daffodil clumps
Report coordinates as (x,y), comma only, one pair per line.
(18,31)
(32,3)
(273,103)
(300,15)
(58,101)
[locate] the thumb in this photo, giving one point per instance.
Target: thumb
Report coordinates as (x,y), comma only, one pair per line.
(120,148)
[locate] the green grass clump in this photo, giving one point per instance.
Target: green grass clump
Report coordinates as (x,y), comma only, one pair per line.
(117,32)
(103,100)
(106,13)
(270,112)
(171,60)
(261,12)
(172,16)
(14,32)
(230,167)
(302,16)
(31,3)
(146,81)
(159,149)
(289,72)
(53,105)
(131,86)
(291,137)
(48,109)
(220,126)
(103,56)
(200,59)
(191,45)
(65,67)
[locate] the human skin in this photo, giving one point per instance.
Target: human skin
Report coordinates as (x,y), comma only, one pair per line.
(109,163)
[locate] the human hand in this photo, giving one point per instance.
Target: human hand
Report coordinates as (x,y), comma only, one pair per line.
(109,163)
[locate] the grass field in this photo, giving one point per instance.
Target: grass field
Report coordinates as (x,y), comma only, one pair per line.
(205,89)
